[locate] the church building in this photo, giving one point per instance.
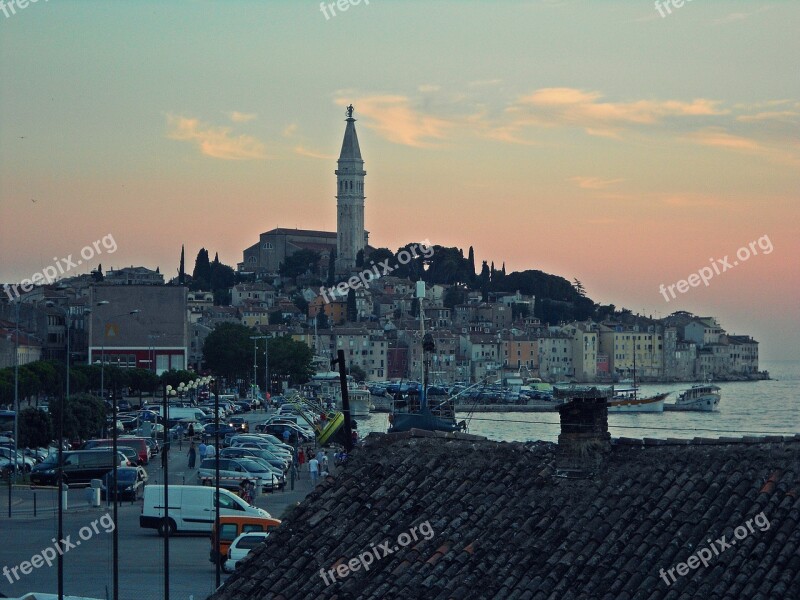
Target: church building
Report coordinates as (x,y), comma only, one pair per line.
(265,257)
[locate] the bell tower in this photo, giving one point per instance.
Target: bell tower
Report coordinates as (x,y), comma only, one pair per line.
(350,235)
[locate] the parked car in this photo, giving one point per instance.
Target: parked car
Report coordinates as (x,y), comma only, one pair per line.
(80,466)
(24,463)
(131,454)
(138,443)
(191,508)
(210,429)
(232,527)
(241,547)
(255,454)
(130,483)
(233,470)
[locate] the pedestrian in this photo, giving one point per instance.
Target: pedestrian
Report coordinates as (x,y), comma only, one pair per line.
(286,435)
(192,455)
(313,468)
(202,450)
(301,457)
(325,461)
(191,431)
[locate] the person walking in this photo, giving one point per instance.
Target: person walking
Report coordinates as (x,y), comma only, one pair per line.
(313,469)
(190,431)
(324,464)
(202,450)
(301,459)
(192,455)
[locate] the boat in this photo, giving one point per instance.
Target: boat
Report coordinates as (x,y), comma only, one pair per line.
(417,409)
(626,400)
(360,401)
(703,397)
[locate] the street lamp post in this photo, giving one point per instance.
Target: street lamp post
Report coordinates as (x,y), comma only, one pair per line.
(16,398)
(255,339)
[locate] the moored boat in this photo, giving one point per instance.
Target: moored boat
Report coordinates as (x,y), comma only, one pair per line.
(700,398)
(627,401)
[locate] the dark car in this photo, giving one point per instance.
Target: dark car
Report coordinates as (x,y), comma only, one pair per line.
(80,466)
(239,424)
(210,429)
(131,454)
(124,405)
(130,482)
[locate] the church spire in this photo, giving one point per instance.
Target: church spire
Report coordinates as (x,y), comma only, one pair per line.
(350,148)
(350,235)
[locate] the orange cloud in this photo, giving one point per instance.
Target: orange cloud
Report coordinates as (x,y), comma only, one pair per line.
(394,118)
(240,117)
(216,142)
(570,106)
(714,136)
(594,183)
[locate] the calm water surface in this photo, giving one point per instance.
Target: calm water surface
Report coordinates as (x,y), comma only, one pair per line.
(746,408)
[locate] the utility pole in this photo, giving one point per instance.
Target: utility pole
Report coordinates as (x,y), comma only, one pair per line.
(255,339)
(348,432)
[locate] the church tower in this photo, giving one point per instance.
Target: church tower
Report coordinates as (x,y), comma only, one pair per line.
(350,234)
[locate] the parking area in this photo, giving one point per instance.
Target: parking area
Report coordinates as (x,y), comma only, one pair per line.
(88,561)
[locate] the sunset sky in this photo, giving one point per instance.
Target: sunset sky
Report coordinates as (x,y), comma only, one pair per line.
(594,140)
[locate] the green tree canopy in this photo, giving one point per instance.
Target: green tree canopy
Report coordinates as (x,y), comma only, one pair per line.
(290,360)
(300,263)
(227,349)
(35,428)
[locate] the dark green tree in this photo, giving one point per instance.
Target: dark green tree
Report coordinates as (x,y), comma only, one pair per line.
(357,373)
(454,295)
(201,276)
(470,267)
(290,360)
(227,351)
(181,268)
(415,307)
(322,320)
(35,428)
(331,268)
(360,259)
(352,309)
(301,262)
(84,417)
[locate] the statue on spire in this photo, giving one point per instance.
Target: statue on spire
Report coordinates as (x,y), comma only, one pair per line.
(350,112)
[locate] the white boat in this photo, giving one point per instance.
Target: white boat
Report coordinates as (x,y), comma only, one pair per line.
(626,400)
(360,402)
(702,398)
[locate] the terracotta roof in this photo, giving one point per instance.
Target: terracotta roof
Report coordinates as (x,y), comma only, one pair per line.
(506,527)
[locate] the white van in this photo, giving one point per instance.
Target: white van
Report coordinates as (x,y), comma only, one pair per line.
(191,508)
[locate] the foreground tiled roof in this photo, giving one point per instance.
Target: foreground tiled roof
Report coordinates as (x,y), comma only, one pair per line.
(504,526)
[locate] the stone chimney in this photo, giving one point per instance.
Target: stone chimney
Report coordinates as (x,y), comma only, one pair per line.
(584,440)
